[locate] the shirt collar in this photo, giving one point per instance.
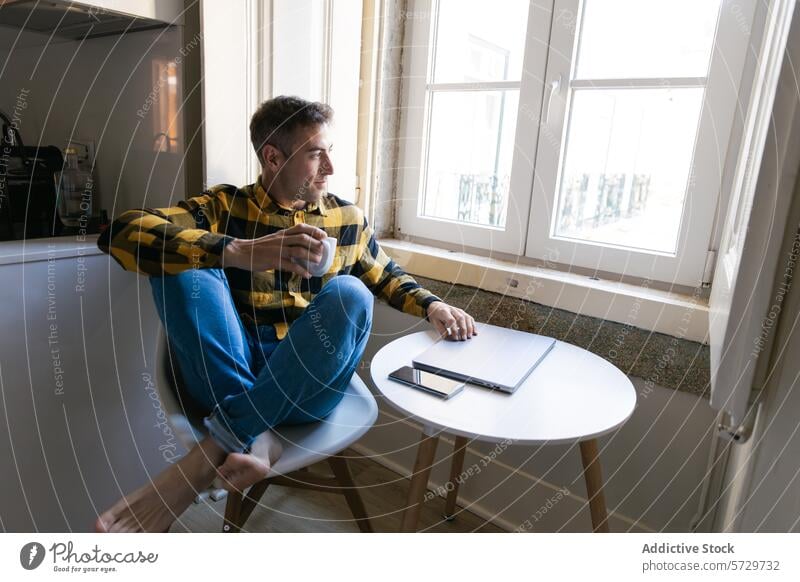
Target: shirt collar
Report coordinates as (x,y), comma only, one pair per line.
(269,206)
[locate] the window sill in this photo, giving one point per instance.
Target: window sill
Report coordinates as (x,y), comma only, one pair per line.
(673,314)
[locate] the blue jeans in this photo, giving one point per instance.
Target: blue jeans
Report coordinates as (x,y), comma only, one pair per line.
(245,379)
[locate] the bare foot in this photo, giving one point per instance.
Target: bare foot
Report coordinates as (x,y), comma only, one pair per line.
(240,471)
(153,507)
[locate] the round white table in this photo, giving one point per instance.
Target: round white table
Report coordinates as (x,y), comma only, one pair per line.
(572,395)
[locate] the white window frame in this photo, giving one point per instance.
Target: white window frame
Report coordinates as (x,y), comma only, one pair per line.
(532,195)
(416,108)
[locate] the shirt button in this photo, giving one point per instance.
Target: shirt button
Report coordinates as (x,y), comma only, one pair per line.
(298,217)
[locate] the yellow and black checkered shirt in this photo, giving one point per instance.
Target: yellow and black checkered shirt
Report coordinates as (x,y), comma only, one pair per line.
(166,241)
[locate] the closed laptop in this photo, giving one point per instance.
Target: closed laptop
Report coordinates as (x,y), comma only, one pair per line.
(496,357)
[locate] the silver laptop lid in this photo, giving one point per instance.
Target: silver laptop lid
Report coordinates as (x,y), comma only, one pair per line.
(497,356)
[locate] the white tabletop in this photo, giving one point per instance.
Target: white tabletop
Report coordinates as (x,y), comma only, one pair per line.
(572,395)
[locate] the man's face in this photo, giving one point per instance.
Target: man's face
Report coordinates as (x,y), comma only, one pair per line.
(305,170)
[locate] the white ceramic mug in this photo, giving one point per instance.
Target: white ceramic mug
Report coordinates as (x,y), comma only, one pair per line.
(328,252)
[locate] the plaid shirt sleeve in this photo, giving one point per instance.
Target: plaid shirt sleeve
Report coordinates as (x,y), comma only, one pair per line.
(167,241)
(387,280)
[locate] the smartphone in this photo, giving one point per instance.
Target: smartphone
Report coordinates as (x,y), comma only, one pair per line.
(438,385)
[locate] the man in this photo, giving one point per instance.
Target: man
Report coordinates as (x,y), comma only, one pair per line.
(262,343)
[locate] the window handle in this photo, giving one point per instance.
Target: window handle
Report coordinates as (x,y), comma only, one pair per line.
(555,87)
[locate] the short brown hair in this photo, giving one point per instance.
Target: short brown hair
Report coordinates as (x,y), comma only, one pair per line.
(276,120)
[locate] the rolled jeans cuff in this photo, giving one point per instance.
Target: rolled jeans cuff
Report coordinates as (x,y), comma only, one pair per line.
(222,434)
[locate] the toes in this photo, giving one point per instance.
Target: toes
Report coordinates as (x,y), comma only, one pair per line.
(239,482)
(237,462)
(233,485)
(106,521)
(230,486)
(100,525)
(225,480)
(232,463)
(267,447)
(240,471)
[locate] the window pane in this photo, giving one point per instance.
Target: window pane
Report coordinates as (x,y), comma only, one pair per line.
(475,42)
(645,38)
(626,166)
(470,144)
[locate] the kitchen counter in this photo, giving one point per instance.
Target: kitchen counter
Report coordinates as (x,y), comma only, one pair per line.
(43,249)
(77,353)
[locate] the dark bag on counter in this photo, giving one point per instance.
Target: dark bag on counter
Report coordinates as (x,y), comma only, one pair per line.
(28,203)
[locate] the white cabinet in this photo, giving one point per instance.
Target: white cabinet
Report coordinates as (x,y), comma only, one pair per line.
(80,417)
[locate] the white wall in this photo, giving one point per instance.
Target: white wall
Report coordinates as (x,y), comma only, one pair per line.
(771,501)
(652,467)
(230,90)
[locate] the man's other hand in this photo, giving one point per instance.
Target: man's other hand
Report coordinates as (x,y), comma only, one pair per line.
(451,322)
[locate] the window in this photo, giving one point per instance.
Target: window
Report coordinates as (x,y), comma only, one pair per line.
(591,133)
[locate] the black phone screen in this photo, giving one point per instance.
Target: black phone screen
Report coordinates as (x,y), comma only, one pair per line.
(427,381)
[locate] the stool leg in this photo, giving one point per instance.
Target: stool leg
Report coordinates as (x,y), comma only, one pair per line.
(419,481)
(233,508)
(250,501)
(594,485)
(342,473)
(459,451)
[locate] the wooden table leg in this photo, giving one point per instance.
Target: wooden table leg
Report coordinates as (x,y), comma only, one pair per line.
(459,451)
(594,485)
(419,481)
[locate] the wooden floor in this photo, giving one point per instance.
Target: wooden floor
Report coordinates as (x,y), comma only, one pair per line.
(284,509)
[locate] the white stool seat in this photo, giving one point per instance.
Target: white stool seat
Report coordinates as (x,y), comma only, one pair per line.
(304,444)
